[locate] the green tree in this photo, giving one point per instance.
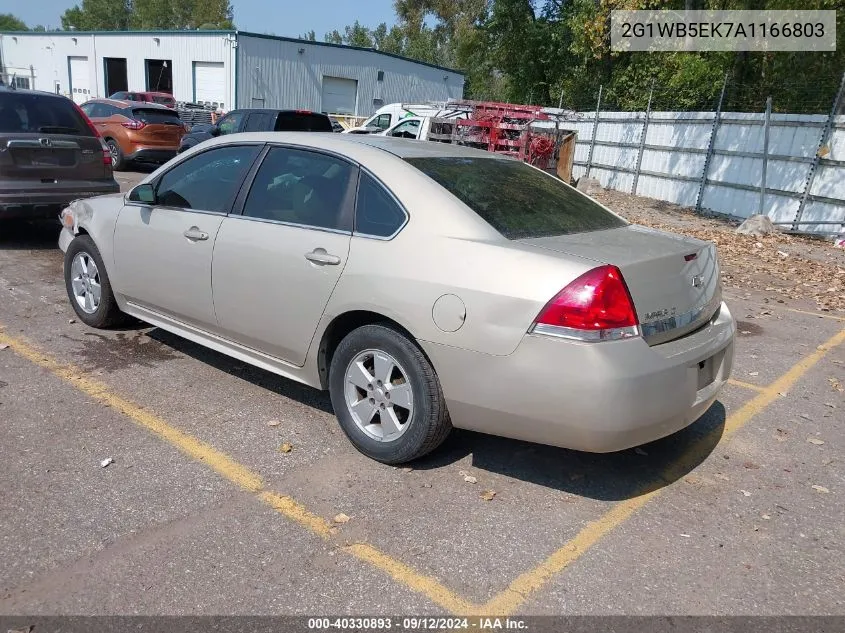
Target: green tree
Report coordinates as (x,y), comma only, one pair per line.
(357,35)
(99,15)
(311,36)
(333,37)
(9,22)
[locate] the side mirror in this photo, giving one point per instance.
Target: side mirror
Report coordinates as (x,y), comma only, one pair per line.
(144,193)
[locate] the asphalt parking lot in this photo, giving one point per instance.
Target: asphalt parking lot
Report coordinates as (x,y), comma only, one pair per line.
(202,513)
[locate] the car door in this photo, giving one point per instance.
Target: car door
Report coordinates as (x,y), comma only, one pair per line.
(163,250)
(277,263)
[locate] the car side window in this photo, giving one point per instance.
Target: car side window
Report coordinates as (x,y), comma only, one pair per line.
(408,129)
(376,212)
(88,109)
(383,121)
(230,123)
(300,187)
(257,122)
(208,181)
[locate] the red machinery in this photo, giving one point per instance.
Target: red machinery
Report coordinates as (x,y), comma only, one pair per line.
(505,128)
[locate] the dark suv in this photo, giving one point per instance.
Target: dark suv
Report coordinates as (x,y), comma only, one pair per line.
(50,154)
(258,120)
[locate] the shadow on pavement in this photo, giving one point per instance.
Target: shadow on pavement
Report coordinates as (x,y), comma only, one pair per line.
(259,377)
(29,235)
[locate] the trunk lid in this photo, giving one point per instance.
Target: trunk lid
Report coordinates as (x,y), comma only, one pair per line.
(673,280)
(51,157)
(162,127)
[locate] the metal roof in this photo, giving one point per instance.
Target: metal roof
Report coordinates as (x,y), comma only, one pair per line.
(236,33)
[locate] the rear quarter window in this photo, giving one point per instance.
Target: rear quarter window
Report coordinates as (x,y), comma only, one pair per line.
(517,200)
(302,122)
(32,114)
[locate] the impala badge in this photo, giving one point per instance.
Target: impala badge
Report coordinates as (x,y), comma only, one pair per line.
(697,281)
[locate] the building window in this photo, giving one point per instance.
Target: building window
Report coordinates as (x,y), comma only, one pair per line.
(22,83)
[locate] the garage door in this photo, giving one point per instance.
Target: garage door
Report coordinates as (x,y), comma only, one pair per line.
(209,82)
(339,95)
(80,85)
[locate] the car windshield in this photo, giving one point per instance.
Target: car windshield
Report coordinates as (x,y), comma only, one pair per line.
(163,100)
(33,113)
(517,200)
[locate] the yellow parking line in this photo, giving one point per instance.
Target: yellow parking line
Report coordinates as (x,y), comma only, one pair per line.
(239,475)
(746,385)
(815,314)
(509,600)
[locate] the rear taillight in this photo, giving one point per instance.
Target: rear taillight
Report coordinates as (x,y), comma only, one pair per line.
(106,153)
(595,307)
(134,124)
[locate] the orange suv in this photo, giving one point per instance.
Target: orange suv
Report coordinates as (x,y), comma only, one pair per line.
(136,131)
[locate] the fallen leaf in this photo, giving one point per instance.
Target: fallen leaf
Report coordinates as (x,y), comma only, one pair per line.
(287,447)
(341,518)
(821,489)
(815,440)
(470,479)
(274,423)
(488,495)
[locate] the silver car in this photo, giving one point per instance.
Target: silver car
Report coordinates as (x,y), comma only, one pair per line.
(424,285)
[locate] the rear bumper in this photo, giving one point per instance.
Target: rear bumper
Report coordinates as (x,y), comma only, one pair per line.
(599,397)
(47,203)
(152,155)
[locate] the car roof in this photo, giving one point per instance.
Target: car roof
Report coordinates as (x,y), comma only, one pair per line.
(402,148)
(124,103)
(38,93)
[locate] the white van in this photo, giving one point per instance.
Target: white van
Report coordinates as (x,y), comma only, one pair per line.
(388,116)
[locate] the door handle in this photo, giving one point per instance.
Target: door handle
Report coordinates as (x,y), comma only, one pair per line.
(195,235)
(322,258)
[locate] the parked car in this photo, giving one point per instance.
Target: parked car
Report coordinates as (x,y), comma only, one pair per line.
(51,154)
(424,285)
(258,120)
(389,115)
(133,131)
(161,98)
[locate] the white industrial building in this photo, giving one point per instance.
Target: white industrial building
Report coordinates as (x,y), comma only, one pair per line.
(231,68)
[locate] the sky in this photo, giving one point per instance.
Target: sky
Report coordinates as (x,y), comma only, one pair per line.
(280,17)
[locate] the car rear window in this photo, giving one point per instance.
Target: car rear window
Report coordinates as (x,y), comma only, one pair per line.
(168,101)
(33,113)
(517,200)
(302,122)
(156,115)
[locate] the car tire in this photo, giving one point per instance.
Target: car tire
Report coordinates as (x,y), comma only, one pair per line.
(102,313)
(118,160)
(422,412)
